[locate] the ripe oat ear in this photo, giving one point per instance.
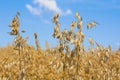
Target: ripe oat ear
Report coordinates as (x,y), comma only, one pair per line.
(23,31)
(18,13)
(37,42)
(91,24)
(15,24)
(91,41)
(55,18)
(73,24)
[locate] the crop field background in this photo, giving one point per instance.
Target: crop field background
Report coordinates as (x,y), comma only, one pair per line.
(81,42)
(21,61)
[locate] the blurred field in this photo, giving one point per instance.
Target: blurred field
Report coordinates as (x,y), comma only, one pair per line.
(46,65)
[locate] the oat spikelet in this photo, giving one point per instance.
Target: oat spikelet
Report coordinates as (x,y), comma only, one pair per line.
(76,14)
(91,24)
(91,41)
(55,18)
(82,36)
(36,41)
(23,31)
(73,24)
(15,24)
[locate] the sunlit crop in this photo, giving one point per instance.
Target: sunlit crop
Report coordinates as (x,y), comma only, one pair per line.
(21,61)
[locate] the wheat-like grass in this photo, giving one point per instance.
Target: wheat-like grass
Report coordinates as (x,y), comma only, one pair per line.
(21,61)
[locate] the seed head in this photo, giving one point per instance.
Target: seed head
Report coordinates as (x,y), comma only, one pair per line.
(92,24)
(73,24)
(91,41)
(55,18)
(76,14)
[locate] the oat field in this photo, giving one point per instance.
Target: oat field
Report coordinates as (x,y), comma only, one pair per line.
(21,61)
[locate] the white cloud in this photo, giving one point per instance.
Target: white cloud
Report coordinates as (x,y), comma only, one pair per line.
(50,5)
(68,12)
(35,11)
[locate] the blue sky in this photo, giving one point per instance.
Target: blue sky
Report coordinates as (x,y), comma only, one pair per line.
(36,16)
